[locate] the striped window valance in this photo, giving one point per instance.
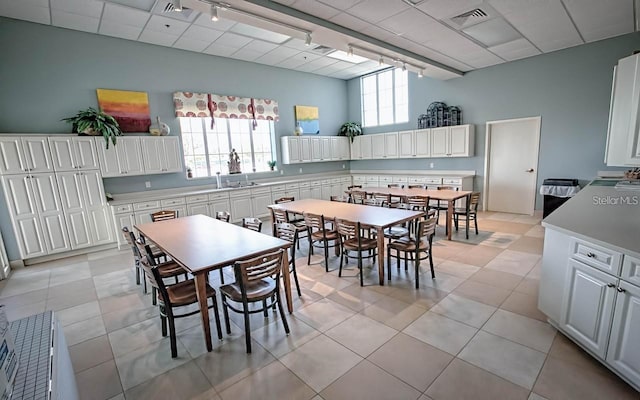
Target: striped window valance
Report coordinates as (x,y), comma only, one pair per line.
(189,104)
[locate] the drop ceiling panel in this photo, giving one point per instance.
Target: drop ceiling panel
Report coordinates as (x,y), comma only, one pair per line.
(349,21)
(546,23)
(297,44)
(191,44)
(292,62)
(412,25)
(201,33)
(285,2)
(246,55)
(232,40)
(260,46)
(218,49)
(164,25)
(34,11)
(115,29)
(441,9)
(277,55)
(89,8)
(316,64)
(159,38)
(515,50)
(74,21)
(124,15)
(375,11)
(597,19)
(220,25)
(340,4)
(316,8)
(144,5)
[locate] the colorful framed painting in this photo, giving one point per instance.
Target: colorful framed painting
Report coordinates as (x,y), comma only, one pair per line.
(307,118)
(130,109)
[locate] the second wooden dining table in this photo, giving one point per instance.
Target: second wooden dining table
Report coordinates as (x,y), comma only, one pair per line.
(447,195)
(201,244)
(378,218)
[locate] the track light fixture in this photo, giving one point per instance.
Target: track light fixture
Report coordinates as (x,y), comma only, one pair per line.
(380,61)
(307,39)
(350,52)
(421,73)
(214,13)
(404,67)
(177,5)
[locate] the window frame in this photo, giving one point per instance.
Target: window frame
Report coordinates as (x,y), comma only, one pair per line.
(205,132)
(394,94)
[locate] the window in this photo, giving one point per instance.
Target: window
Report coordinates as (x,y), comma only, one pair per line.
(206,149)
(385,98)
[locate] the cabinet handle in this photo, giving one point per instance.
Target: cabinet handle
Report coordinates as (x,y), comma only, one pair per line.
(621,290)
(611,285)
(591,255)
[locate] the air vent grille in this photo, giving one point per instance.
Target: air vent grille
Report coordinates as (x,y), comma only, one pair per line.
(476,15)
(322,49)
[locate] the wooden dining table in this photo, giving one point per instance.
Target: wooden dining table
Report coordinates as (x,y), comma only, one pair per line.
(378,218)
(450,196)
(200,244)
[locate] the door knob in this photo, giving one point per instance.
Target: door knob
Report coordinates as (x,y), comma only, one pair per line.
(529,170)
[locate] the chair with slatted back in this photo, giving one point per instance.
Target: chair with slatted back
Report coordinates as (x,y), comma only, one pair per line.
(254,224)
(352,239)
(223,216)
(385,198)
(131,240)
(179,295)
(258,282)
(441,205)
(319,235)
(395,200)
(281,216)
(169,269)
(395,186)
(289,232)
(164,215)
(340,199)
(414,246)
(470,212)
(358,196)
(416,187)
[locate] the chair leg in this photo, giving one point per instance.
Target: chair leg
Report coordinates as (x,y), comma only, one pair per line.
(467,227)
(295,275)
(144,282)
(247,327)
(264,308)
(310,252)
(154,296)
(433,272)
(281,311)
(163,322)
(225,311)
(475,220)
(326,256)
(172,335)
(137,265)
(417,263)
(342,255)
(388,263)
(360,267)
(216,314)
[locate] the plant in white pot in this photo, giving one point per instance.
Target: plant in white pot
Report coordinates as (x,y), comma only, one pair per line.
(94,122)
(350,130)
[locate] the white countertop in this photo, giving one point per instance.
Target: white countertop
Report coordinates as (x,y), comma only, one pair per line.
(429,172)
(596,214)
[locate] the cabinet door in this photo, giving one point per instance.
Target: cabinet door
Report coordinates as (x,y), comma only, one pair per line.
(391,145)
(290,150)
(86,156)
(377,146)
(241,208)
(24,215)
(624,353)
(356,149)
(62,153)
(326,148)
(37,154)
(339,148)
(587,306)
(316,149)
(423,143)
(152,154)
(459,141)
(173,156)
(406,144)
(325,190)
(305,192)
(198,208)
(219,205)
(47,199)
(130,156)
(316,192)
(260,202)
(97,208)
(12,159)
(439,142)
(122,221)
(365,147)
(71,197)
(305,149)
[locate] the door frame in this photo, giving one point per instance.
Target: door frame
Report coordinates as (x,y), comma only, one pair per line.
(487,156)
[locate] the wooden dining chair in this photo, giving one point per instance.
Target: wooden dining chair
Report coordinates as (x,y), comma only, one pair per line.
(340,199)
(395,186)
(293,218)
(384,198)
(131,241)
(223,216)
(254,224)
(358,196)
(258,282)
(319,233)
(439,205)
(164,215)
(352,239)
(168,269)
(179,295)
(354,187)
(470,212)
(289,232)
(418,247)
(416,187)
(279,216)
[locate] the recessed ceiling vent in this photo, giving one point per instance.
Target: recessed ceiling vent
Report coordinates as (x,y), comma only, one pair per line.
(322,49)
(167,9)
(471,17)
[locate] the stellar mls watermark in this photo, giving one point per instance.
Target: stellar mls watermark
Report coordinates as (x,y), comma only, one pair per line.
(619,200)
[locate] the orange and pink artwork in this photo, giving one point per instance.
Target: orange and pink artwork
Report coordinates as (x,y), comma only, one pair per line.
(130,109)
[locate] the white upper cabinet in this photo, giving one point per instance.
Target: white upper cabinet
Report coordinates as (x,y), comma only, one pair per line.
(365,147)
(290,146)
(160,154)
(422,142)
(316,149)
(304,149)
(71,153)
(172,155)
(623,136)
(20,154)
(123,159)
(406,147)
(452,141)
(340,148)
(384,145)
(377,146)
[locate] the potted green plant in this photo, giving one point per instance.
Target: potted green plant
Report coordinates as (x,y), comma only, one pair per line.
(94,122)
(350,130)
(272,165)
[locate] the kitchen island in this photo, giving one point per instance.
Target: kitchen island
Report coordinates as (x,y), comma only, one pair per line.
(590,278)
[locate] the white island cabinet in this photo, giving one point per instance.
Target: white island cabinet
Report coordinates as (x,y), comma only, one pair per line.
(590,277)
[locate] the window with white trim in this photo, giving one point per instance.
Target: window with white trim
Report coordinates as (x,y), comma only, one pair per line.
(206,149)
(385,98)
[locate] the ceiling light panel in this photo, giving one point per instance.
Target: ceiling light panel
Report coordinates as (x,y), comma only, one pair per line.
(260,47)
(191,44)
(341,55)
(232,40)
(493,32)
(217,49)
(259,33)
(202,33)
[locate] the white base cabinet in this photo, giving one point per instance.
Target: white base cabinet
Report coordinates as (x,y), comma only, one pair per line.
(600,300)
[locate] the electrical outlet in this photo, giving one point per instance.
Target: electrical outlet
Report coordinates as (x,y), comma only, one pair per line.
(300,170)
(147,184)
(281,172)
(344,166)
(431,165)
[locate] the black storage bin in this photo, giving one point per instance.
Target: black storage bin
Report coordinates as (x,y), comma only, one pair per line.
(551,201)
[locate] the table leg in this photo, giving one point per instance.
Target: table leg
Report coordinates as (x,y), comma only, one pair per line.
(449,218)
(380,238)
(201,293)
(287,280)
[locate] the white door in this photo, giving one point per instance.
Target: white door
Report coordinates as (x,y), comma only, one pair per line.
(47,199)
(325,190)
(423,143)
(152,154)
(122,221)
(4,261)
(377,146)
(219,205)
(440,142)
(305,192)
(316,191)
(511,165)
(624,353)
(292,145)
(260,203)
(587,306)
(172,155)
(405,144)
(70,185)
(391,145)
(12,156)
(108,158)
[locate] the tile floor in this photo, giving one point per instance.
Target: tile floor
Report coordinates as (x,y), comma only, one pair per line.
(472,333)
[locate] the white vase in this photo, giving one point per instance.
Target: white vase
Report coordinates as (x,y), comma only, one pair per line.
(298,131)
